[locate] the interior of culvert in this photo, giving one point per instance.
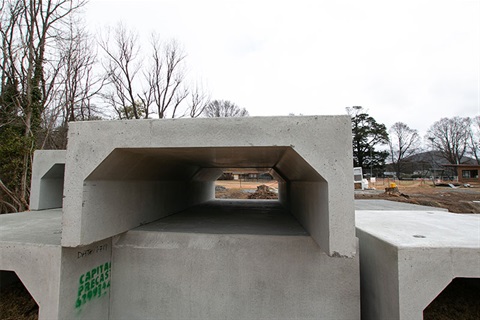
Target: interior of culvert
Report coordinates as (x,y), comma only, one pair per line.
(135,186)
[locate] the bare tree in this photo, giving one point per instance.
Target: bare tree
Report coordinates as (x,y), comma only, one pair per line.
(76,85)
(474,138)
(450,136)
(28,77)
(224,108)
(166,77)
(79,82)
(122,67)
(403,142)
(135,85)
(199,100)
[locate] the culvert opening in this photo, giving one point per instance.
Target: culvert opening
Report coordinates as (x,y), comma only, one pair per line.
(16,302)
(247,184)
(459,300)
(51,187)
(132,187)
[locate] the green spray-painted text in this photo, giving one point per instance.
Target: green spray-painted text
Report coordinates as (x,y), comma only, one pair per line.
(93,284)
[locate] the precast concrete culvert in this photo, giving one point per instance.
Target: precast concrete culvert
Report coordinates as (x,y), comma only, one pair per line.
(127,181)
(145,191)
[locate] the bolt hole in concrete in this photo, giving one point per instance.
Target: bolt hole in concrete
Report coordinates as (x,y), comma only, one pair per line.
(16,303)
(418,236)
(459,300)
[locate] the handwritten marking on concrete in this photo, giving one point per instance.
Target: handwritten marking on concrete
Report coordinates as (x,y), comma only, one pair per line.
(93,284)
(87,252)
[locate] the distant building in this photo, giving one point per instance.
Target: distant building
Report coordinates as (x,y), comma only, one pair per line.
(427,164)
(467,173)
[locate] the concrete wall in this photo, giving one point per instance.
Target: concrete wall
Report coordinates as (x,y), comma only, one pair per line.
(30,246)
(85,281)
(379,278)
(46,190)
(298,148)
(38,268)
(428,272)
(123,204)
(194,266)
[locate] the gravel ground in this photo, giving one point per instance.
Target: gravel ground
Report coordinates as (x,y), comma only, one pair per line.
(460,200)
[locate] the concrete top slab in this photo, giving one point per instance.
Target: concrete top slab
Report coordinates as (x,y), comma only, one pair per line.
(260,217)
(373,204)
(421,229)
(37,228)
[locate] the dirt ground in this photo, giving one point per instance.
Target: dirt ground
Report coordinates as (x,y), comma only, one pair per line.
(16,303)
(458,200)
(460,300)
(236,189)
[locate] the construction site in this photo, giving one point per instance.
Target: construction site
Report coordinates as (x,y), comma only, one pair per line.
(129,228)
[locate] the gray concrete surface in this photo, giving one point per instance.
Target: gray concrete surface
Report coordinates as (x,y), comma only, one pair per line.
(122,174)
(48,173)
(32,227)
(85,281)
(260,217)
(230,260)
(408,257)
(30,246)
(378,204)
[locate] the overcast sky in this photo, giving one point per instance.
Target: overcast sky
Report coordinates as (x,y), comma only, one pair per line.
(409,61)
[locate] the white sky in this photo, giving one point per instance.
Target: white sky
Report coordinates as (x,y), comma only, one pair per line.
(410,61)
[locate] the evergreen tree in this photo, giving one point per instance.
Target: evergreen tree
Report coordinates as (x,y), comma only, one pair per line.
(367,133)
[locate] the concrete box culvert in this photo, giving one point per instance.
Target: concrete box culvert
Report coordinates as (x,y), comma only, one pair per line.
(122,174)
(420,252)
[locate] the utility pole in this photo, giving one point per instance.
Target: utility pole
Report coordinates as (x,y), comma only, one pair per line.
(371,163)
(432,139)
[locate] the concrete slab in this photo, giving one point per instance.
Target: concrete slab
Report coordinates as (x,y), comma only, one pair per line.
(230,260)
(116,179)
(261,217)
(408,257)
(33,227)
(378,204)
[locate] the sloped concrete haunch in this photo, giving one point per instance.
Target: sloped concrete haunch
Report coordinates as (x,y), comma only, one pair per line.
(123,174)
